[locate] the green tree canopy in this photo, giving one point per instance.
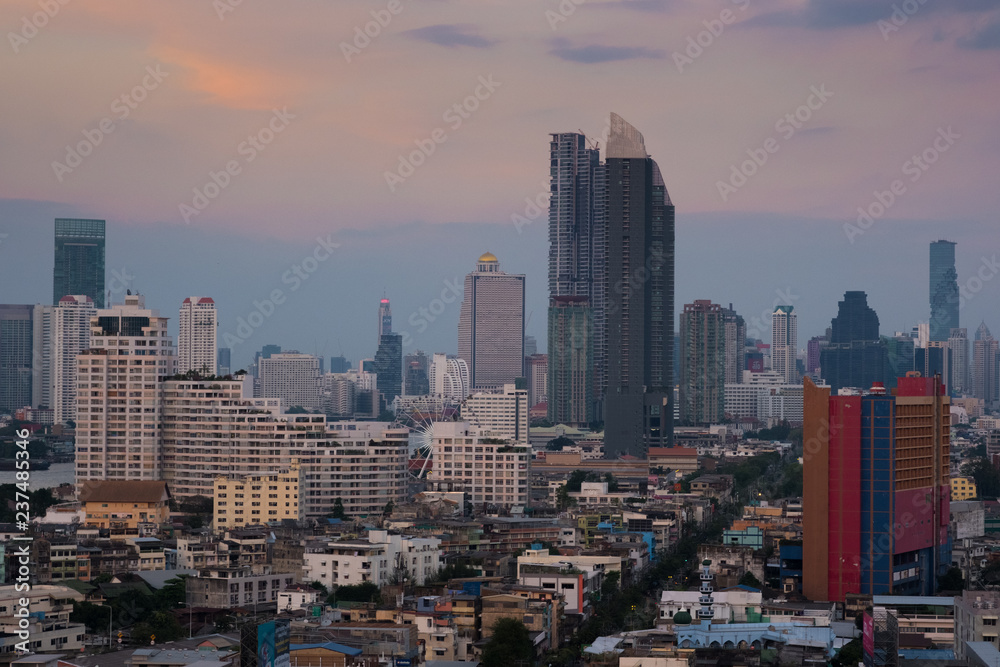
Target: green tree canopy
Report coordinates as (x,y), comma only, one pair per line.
(366,592)
(986,476)
(509,644)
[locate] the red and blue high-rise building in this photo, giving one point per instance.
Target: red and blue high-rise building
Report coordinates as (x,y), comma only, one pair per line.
(876,489)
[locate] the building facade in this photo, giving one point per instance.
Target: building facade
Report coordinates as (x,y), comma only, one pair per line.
(16,356)
(876,490)
(118,405)
(504,412)
(570,387)
(784,339)
(258,499)
(855,356)
(639,401)
(943,290)
(491,325)
(196,350)
(487,469)
(292,377)
(79,259)
(449,377)
(703,363)
(389,366)
(985,370)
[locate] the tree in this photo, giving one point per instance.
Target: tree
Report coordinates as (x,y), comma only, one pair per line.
(952,580)
(338,509)
(387,510)
(749,580)
(456,571)
(94,616)
(563,499)
(557,444)
(612,483)
(986,476)
(161,625)
(849,654)
(366,592)
(173,593)
(509,644)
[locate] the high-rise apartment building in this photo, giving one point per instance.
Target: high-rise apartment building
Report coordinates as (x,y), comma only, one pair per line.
(943,290)
(196,349)
(389,366)
(814,349)
(985,369)
(958,343)
(702,357)
(503,413)
(491,325)
(119,381)
(570,361)
(855,355)
(638,403)
(61,332)
(449,377)
(538,379)
(16,356)
(875,504)
(255,500)
(384,318)
(577,254)
(784,341)
(735,343)
(489,471)
(79,260)
(416,378)
(292,377)
(224,361)
(339,364)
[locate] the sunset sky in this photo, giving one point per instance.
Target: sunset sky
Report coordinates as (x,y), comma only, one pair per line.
(308,114)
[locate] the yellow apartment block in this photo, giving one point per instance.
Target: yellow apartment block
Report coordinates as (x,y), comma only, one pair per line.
(258,499)
(963,488)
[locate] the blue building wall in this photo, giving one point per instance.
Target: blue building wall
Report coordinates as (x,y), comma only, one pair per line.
(877,493)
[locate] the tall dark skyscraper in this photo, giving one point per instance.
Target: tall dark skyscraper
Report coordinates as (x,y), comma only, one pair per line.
(856,355)
(339,364)
(639,404)
(703,367)
(79,265)
(384,318)
(416,376)
(943,290)
(389,366)
(576,267)
(16,346)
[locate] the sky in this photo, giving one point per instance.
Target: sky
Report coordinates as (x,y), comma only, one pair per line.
(226,142)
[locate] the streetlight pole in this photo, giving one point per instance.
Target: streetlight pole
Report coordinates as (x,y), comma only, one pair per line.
(189,617)
(111,615)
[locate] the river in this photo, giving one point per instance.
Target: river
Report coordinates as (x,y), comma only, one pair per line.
(58,473)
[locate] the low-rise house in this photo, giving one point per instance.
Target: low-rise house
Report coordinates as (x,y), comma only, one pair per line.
(125,507)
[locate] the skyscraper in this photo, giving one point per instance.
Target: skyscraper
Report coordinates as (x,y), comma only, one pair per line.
(639,402)
(416,379)
(538,379)
(491,325)
(449,377)
(389,367)
(985,369)
(224,361)
(855,355)
(576,263)
(814,348)
(570,361)
(196,349)
(703,370)
(784,339)
(292,377)
(943,290)
(958,342)
(61,332)
(876,490)
(113,440)
(899,357)
(16,356)
(735,345)
(384,318)
(339,364)
(79,260)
